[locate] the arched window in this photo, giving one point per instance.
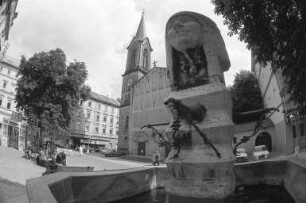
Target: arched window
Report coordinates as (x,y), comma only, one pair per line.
(264,138)
(133,58)
(145,58)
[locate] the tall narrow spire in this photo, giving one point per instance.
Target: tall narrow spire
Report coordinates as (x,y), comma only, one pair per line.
(141,31)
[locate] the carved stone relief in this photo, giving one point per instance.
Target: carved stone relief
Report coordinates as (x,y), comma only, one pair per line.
(196,54)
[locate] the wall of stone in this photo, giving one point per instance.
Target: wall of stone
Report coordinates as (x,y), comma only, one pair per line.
(124,117)
(148,108)
(102,186)
(105,186)
(283,172)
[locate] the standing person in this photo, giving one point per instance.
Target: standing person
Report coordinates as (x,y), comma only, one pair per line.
(157,159)
(81,149)
(154,159)
(41,159)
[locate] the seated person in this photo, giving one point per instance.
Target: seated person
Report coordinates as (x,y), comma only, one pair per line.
(61,158)
(41,159)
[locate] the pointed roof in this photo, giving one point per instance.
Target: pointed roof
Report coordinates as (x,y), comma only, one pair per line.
(141,31)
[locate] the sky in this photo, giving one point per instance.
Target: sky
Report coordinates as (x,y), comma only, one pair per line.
(98,32)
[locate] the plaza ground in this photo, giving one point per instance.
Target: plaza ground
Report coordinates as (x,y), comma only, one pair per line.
(15,170)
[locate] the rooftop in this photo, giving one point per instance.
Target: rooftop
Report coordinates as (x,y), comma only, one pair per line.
(104,99)
(10,61)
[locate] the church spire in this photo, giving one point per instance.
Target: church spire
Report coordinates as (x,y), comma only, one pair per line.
(141,31)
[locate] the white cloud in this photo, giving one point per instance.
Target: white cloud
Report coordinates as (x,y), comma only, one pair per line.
(98,32)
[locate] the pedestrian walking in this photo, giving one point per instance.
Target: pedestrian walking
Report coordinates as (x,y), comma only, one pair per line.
(81,150)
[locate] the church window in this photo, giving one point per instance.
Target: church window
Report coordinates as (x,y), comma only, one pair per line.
(133,58)
(126,126)
(145,58)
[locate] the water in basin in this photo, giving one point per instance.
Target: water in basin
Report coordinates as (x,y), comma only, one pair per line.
(250,194)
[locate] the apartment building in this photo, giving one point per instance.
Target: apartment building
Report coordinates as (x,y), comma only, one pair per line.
(12,128)
(288,131)
(96,124)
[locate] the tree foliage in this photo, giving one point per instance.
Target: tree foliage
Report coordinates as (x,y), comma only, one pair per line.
(275,31)
(48,90)
(246,96)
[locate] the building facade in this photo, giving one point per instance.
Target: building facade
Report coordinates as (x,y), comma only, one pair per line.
(144,90)
(289,126)
(12,127)
(7,16)
(137,65)
(96,123)
(148,107)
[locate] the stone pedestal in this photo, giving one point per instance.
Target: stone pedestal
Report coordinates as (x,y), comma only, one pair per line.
(201,109)
(197,171)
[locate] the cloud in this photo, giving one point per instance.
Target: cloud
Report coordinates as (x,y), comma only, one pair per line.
(97,32)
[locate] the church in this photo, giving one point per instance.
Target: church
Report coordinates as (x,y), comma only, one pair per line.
(144,89)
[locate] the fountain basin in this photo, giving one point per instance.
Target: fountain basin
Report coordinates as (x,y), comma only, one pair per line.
(109,186)
(253,194)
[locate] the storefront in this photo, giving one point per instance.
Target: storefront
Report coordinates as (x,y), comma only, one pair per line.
(13,134)
(97,143)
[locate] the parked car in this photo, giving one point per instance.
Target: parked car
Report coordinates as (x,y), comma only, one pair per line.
(91,149)
(97,149)
(114,153)
(261,152)
(105,151)
(241,155)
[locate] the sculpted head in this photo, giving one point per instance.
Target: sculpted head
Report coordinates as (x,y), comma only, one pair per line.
(195,50)
(183,32)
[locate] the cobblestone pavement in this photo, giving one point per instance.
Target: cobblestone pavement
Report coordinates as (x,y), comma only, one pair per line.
(11,192)
(100,162)
(15,170)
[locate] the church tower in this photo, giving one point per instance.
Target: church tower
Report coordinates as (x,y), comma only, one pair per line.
(137,65)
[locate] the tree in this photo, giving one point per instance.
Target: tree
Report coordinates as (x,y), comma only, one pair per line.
(246,96)
(48,90)
(275,31)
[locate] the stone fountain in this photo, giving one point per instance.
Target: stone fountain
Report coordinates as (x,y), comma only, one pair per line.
(201,160)
(200,165)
